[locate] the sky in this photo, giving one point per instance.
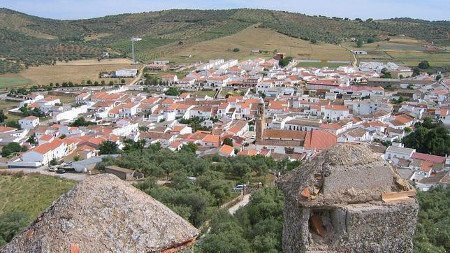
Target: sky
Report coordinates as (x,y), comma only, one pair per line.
(377,9)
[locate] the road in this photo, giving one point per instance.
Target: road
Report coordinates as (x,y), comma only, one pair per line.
(138,77)
(44,171)
(245,200)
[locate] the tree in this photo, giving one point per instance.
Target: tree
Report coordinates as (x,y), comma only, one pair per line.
(424,65)
(228,141)
(285,61)
(430,138)
(359,43)
(81,121)
(416,71)
(11,148)
(236,50)
(370,40)
(173,91)
(385,73)
(108,147)
(13,124)
(3,117)
(438,77)
(189,147)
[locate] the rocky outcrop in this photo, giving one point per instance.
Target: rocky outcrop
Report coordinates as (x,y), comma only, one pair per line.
(104,214)
(342,201)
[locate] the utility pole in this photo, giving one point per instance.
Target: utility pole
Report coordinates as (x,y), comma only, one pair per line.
(133,53)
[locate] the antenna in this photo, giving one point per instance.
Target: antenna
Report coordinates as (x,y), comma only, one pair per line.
(134,39)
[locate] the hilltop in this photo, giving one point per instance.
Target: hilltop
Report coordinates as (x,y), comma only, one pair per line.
(29,40)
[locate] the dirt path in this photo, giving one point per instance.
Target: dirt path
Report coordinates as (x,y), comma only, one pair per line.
(245,200)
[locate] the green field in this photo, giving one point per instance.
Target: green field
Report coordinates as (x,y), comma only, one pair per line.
(9,82)
(320,64)
(31,193)
(403,50)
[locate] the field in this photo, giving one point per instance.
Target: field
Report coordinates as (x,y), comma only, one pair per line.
(31,193)
(252,38)
(402,50)
(320,64)
(73,71)
(12,80)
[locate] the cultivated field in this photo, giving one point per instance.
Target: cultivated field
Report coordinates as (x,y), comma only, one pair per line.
(31,194)
(12,80)
(402,50)
(74,71)
(265,40)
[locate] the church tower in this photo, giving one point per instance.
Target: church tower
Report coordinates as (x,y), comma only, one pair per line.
(260,121)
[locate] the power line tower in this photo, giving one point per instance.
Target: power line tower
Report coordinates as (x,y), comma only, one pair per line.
(133,53)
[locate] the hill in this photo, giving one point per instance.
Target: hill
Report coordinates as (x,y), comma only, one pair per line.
(28,40)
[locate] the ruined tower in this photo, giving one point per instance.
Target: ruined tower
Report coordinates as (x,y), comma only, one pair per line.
(260,121)
(348,199)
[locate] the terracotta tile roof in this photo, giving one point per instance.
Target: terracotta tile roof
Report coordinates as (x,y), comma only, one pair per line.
(336,107)
(4,129)
(47,147)
(429,158)
(211,138)
(283,134)
(317,139)
(402,119)
(226,150)
(248,152)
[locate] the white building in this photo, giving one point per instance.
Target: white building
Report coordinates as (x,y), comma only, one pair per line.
(29,122)
(126,73)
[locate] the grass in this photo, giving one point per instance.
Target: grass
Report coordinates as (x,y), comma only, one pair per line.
(402,50)
(31,193)
(10,81)
(75,71)
(265,40)
(321,64)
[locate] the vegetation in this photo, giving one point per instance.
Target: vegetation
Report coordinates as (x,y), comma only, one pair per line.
(29,41)
(3,117)
(433,230)
(256,227)
(195,187)
(285,61)
(173,91)
(195,123)
(424,65)
(13,124)
(24,197)
(108,148)
(12,148)
(81,121)
(34,112)
(430,138)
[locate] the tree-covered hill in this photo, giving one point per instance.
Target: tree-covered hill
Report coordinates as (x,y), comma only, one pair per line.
(31,40)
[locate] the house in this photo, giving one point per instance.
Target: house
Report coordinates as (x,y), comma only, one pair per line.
(394,153)
(443,115)
(226,151)
(46,152)
(29,122)
(126,73)
(335,112)
(356,135)
(169,78)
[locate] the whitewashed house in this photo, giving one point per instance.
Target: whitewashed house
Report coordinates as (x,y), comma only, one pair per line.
(29,122)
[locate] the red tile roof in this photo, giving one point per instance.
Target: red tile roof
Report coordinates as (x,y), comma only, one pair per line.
(318,139)
(429,158)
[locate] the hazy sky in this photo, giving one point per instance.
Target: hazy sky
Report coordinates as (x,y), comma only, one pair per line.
(73,9)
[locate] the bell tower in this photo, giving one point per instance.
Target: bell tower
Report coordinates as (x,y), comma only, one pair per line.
(260,121)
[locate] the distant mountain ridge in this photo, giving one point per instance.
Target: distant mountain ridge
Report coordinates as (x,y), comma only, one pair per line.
(30,40)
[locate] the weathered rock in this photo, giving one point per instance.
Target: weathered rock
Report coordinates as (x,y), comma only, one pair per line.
(104,214)
(347,213)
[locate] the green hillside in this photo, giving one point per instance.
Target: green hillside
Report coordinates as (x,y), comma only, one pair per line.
(28,40)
